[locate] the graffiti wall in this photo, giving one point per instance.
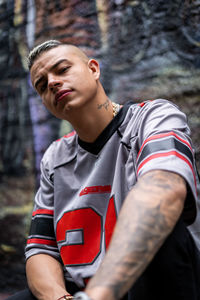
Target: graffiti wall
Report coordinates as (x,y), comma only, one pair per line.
(146,49)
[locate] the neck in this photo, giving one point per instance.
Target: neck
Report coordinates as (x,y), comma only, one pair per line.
(91,117)
(93,121)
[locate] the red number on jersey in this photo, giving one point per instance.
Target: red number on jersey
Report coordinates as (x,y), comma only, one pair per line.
(90,223)
(111,219)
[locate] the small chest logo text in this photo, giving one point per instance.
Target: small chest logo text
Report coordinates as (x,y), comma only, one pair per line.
(97,189)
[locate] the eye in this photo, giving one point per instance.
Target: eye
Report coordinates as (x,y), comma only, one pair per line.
(63,70)
(43,87)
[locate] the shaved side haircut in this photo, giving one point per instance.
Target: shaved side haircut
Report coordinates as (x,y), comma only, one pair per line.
(50,44)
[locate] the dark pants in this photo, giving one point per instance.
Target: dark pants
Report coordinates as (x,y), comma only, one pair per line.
(173,274)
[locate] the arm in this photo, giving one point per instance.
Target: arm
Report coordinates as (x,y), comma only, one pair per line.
(148,215)
(45,277)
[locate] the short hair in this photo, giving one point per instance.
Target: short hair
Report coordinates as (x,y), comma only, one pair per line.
(45,46)
(39,49)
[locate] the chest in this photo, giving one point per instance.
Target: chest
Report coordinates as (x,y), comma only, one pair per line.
(92,180)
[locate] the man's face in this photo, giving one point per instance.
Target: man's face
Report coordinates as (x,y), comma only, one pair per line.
(65,80)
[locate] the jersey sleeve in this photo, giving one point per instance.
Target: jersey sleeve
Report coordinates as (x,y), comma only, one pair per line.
(42,238)
(164,144)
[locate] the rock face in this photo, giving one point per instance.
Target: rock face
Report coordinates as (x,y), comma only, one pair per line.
(146,49)
(16,194)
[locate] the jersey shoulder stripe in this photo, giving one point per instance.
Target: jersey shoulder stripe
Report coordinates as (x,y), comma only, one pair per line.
(42,226)
(141,104)
(164,142)
(42,229)
(43,212)
(162,135)
(70,134)
(159,155)
(41,241)
(163,145)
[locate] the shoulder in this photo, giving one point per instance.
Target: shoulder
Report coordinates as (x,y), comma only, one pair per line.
(153,116)
(159,110)
(157,103)
(150,106)
(61,151)
(157,107)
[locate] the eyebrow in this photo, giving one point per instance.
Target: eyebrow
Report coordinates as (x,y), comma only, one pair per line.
(53,67)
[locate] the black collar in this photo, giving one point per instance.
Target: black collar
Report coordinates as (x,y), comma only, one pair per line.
(98,144)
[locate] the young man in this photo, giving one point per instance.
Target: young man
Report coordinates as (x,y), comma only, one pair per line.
(130,166)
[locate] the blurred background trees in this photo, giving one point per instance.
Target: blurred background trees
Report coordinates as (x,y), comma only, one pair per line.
(146,49)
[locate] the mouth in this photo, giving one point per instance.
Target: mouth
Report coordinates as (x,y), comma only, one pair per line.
(61,94)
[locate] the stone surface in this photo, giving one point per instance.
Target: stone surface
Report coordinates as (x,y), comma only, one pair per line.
(4,296)
(16,205)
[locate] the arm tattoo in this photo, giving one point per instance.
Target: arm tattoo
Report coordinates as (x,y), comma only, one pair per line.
(105,105)
(148,215)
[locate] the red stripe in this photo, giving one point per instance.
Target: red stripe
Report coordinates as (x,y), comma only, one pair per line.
(153,156)
(43,212)
(141,104)
(158,136)
(41,241)
(70,134)
(67,135)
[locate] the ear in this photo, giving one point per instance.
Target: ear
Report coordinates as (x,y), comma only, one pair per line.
(94,67)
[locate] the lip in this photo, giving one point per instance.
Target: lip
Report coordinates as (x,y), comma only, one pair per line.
(61,94)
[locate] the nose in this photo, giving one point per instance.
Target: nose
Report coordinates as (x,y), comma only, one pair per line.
(54,83)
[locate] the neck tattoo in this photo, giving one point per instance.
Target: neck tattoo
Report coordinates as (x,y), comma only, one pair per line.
(116,108)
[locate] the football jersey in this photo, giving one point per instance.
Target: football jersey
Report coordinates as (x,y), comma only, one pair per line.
(83,185)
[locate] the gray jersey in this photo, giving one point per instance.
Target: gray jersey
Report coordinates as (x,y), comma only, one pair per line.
(83,185)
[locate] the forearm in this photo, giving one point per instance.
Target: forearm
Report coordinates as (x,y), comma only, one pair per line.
(45,277)
(148,215)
